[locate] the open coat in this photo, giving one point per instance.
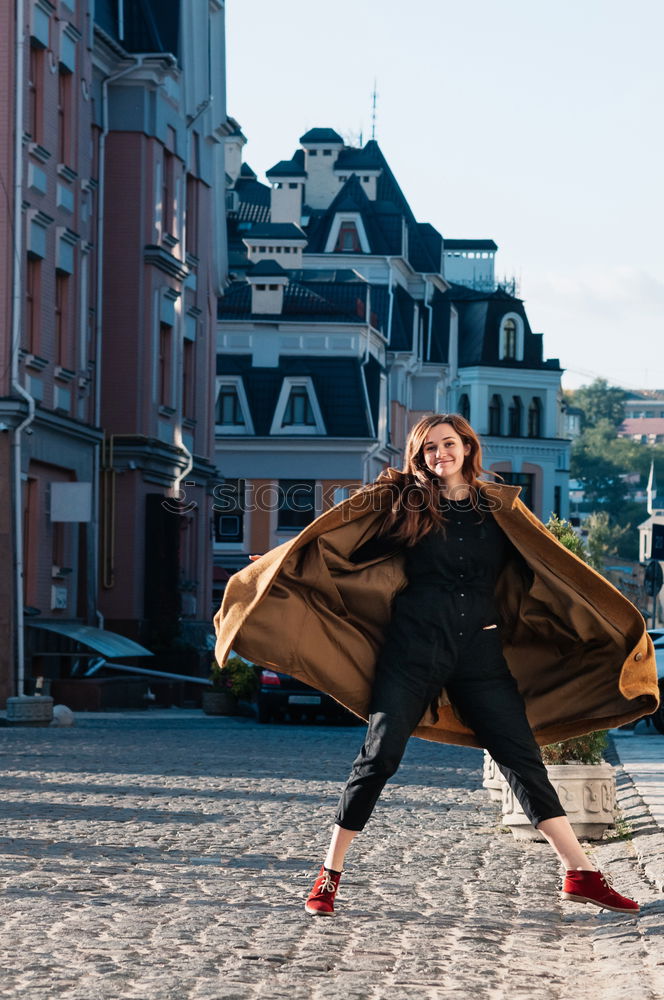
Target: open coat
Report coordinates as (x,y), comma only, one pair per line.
(577,647)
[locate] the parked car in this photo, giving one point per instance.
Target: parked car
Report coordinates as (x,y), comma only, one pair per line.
(657,636)
(280,694)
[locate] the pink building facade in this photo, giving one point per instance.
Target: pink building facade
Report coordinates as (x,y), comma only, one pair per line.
(120,255)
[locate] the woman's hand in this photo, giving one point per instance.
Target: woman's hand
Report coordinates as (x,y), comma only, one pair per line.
(254,558)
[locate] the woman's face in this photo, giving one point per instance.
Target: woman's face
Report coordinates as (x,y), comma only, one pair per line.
(444,453)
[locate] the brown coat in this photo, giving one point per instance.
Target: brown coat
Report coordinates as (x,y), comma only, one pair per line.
(578,649)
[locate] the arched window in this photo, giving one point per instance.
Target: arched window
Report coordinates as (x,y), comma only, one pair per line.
(495,415)
(514,415)
(509,340)
(535,418)
(464,406)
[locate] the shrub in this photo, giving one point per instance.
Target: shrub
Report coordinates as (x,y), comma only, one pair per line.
(580,749)
(237,676)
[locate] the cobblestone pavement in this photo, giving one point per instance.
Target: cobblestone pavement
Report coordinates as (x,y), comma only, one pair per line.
(167,855)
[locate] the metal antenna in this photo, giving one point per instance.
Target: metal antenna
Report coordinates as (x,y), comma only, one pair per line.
(374,101)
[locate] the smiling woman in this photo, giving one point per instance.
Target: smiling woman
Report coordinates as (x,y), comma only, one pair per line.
(404,603)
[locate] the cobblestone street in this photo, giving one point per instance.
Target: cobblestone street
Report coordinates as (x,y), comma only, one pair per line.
(168,854)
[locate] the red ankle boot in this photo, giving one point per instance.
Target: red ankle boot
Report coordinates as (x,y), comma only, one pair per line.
(594,887)
(320,901)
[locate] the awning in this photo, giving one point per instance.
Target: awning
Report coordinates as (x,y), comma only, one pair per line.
(109,643)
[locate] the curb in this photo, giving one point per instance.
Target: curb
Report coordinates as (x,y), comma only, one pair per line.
(647,837)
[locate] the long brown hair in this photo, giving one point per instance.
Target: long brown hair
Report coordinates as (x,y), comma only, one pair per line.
(416,508)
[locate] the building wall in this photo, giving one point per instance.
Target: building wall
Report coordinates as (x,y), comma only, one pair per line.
(7,71)
(65,61)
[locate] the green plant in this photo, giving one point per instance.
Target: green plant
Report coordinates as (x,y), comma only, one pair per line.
(237,677)
(586,749)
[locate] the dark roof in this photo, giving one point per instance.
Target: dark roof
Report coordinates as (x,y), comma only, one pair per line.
(383,219)
(275,231)
(321,135)
(337,382)
(337,276)
(382,225)
(310,301)
(149,25)
(358,159)
(266,269)
(470,245)
(286,168)
(236,128)
(246,171)
(480,317)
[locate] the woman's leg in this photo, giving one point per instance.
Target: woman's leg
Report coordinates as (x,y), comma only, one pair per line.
(336,853)
(400,696)
(559,833)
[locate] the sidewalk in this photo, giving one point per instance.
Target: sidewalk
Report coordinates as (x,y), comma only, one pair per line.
(641,794)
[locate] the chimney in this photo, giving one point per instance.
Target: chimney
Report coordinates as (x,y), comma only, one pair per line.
(268,281)
(287,179)
(322,147)
(273,241)
(233,145)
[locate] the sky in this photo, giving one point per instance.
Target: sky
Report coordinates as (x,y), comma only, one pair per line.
(535,124)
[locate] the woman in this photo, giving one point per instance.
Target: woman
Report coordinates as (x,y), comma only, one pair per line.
(385,603)
(454,554)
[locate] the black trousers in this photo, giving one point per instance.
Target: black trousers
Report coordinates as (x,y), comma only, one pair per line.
(486,697)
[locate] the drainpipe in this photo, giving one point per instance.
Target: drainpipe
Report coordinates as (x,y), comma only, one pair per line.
(379,444)
(179,440)
(17,309)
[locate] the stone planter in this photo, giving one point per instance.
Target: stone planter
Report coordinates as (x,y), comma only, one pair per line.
(29,710)
(219,703)
(587,793)
(492,779)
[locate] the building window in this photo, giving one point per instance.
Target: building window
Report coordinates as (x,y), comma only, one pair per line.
(167,188)
(557,500)
(188,377)
(191,222)
(535,418)
(296,504)
(464,406)
(327,152)
(514,415)
(525,481)
(64,116)
(229,408)
(32,302)
(298,410)
(35,92)
(61,317)
(165,352)
(509,340)
(495,415)
(229,509)
(348,240)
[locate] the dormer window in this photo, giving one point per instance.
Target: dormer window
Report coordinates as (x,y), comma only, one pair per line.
(327,152)
(229,408)
(348,240)
(298,409)
(232,414)
(511,338)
